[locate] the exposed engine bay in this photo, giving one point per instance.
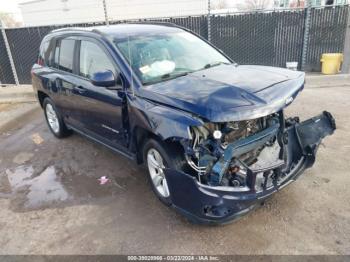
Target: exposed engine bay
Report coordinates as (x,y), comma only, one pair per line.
(222,154)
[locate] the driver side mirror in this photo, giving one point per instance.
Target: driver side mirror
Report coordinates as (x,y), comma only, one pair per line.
(106,79)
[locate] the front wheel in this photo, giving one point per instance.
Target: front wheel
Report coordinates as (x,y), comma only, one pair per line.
(158,156)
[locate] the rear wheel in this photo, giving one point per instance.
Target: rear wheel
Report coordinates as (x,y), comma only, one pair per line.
(54,119)
(158,156)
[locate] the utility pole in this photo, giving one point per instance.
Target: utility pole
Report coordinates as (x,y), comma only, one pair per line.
(208,20)
(306,34)
(346,54)
(8,50)
(105,12)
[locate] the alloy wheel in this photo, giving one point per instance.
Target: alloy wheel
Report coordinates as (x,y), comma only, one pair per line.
(156,169)
(52,118)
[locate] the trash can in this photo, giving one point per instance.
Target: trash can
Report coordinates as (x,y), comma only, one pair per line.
(331,63)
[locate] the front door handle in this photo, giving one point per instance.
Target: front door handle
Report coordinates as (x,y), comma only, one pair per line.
(80,89)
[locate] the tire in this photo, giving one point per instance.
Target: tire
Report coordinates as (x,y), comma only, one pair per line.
(172,158)
(54,119)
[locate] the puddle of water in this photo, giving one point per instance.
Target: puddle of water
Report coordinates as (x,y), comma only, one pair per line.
(31,188)
(19,176)
(41,189)
(45,188)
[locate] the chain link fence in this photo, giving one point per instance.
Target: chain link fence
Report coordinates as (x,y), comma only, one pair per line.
(326,34)
(264,38)
(270,38)
(6,75)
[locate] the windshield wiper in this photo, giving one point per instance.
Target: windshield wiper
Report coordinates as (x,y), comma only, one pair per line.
(167,76)
(170,75)
(215,64)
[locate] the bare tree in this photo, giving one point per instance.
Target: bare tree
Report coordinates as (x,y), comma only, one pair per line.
(254,4)
(9,20)
(219,4)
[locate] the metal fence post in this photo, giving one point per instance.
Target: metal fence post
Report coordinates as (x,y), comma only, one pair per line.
(8,50)
(208,20)
(105,12)
(306,34)
(346,62)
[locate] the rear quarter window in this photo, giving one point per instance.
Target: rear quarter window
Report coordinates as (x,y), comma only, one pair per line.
(45,53)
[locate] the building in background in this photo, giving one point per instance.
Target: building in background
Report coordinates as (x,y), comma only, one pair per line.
(246,5)
(289,3)
(48,12)
(45,12)
(302,3)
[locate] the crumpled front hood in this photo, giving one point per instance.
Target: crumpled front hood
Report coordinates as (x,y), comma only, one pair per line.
(229,92)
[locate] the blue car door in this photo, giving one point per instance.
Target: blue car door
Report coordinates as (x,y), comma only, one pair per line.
(100,109)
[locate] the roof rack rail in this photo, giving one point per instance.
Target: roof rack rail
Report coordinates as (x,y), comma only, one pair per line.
(71,29)
(95,29)
(148,22)
(170,24)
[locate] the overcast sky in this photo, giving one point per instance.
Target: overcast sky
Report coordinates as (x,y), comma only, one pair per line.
(11,6)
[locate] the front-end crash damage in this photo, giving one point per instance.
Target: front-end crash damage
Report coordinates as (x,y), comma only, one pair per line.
(237,145)
(235,165)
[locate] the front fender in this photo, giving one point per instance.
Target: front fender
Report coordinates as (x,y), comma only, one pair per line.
(163,121)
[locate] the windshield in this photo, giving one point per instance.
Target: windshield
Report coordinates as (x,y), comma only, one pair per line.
(159,57)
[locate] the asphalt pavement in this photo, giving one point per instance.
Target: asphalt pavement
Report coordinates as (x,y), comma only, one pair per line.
(52,202)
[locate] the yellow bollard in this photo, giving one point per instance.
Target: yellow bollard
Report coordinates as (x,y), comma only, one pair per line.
(331,63)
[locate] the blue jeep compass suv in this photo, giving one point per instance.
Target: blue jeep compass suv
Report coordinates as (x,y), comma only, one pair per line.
(211,133)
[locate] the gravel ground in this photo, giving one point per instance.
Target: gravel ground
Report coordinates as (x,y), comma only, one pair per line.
(51,201)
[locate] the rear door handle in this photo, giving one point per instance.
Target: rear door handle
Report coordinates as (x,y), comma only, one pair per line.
(80,89)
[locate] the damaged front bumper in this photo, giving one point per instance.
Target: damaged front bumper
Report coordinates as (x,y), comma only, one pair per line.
(220,204)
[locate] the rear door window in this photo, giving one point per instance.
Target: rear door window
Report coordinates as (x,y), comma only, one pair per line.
(64,54)
(57,53)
